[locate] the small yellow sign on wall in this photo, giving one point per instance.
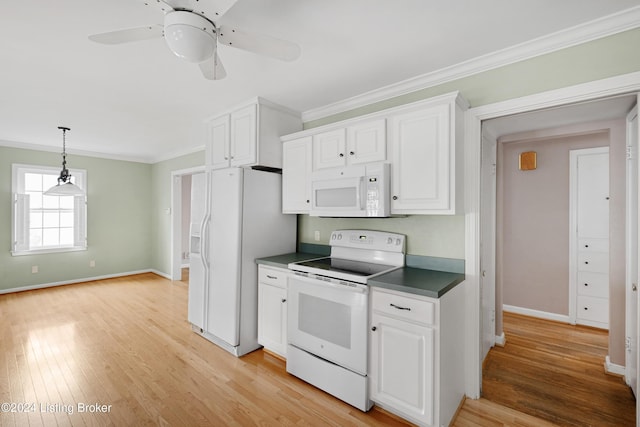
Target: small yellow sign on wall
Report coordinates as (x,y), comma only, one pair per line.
(528,161)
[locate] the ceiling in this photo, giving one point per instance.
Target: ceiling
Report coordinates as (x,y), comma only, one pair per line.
(138,101)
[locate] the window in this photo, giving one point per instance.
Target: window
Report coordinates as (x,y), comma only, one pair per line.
(44,223)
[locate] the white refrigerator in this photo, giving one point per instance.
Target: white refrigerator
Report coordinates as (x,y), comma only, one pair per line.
(243,221)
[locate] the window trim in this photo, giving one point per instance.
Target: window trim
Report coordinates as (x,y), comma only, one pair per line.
(18,170)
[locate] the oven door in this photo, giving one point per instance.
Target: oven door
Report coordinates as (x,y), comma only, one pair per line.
(329,320)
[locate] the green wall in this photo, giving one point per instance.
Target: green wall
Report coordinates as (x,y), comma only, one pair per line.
(444,236)
(118,229)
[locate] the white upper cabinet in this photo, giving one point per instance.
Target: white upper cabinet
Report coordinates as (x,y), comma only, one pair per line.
(329,149)
(426,157)
(249,135)
(358,143)
(422,141)
(367,142)
(296,172)
(243,147)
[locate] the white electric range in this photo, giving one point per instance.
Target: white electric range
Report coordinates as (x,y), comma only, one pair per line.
(328,311)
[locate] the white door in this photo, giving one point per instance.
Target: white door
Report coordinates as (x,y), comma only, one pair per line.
(197,262)
(244,136)
(421,158)
(329,149)
(218,134)
(402,361)
(296,175)
(367,142)
(589,238)
(488,242)
(631,355)
(223,297)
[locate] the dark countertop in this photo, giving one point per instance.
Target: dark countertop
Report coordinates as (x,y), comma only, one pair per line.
(418,281)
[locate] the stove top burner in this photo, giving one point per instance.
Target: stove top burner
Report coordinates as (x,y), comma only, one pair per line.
(346,266)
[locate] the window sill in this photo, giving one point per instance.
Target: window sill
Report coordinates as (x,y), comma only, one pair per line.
(47,251)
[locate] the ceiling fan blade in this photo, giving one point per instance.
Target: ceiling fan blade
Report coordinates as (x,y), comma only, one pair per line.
(129,35)
(257,43)
(164,6)
(211,9)
(213,69)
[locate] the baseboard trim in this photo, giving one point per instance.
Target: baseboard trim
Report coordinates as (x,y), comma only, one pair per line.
(84,279)
(536,313)
(612,368)
(501,340)
(160,273)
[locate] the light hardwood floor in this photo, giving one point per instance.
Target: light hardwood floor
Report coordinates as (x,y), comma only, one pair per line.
(556,372)
(125,343)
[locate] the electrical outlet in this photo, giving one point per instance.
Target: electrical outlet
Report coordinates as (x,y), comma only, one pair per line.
(34,269)
(316,236)
(92,263)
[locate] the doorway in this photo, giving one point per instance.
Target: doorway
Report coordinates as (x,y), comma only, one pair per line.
(180,208)
(603,117)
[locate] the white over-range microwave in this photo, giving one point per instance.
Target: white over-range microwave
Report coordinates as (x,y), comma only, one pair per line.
(351,191)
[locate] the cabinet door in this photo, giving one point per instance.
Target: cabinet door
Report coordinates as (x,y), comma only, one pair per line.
(367,142)
(244,136)
(421,157)
(272,318)
(218,143)
(296,172)
(402,367)
(329,149)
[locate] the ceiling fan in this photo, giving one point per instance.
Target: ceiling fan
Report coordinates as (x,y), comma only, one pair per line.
(192,31)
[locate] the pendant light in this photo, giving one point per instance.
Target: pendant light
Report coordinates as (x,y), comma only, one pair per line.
(64,187)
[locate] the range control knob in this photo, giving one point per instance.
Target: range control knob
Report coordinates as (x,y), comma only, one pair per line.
(389,240)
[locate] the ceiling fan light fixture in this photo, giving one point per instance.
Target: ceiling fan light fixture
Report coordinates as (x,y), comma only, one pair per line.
(190,36)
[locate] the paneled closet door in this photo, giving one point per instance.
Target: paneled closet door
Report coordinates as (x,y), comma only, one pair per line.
(590,244)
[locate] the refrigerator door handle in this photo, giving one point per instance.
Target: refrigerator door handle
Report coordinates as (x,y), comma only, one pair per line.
(204,240)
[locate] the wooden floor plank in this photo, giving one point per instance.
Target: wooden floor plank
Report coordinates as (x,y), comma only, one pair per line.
(125,342)
(555,372)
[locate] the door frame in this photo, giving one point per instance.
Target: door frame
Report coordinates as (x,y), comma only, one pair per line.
(632,321)
(619,85)
(176,219)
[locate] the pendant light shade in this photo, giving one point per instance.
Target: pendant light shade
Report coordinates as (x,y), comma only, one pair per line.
(64,187)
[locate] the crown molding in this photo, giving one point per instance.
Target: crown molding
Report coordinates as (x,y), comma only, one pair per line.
(86,153)
(606,26)
(175,154)
(109,156)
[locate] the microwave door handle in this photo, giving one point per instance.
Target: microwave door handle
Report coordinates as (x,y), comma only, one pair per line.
(360,195)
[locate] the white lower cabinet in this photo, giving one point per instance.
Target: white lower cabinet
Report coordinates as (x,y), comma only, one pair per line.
(417,354)
(272,309)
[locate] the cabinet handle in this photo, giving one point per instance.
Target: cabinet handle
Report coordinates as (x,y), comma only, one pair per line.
(586,246)
(399,307)
(373,328)
(586,262)
(284,300)
(586,308)
(395,197)
(586,284)
(351,153)
(272,277)
(634,287)
(341,154)
(307,200)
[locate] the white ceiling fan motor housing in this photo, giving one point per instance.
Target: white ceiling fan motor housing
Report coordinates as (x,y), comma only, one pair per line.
(190,36)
